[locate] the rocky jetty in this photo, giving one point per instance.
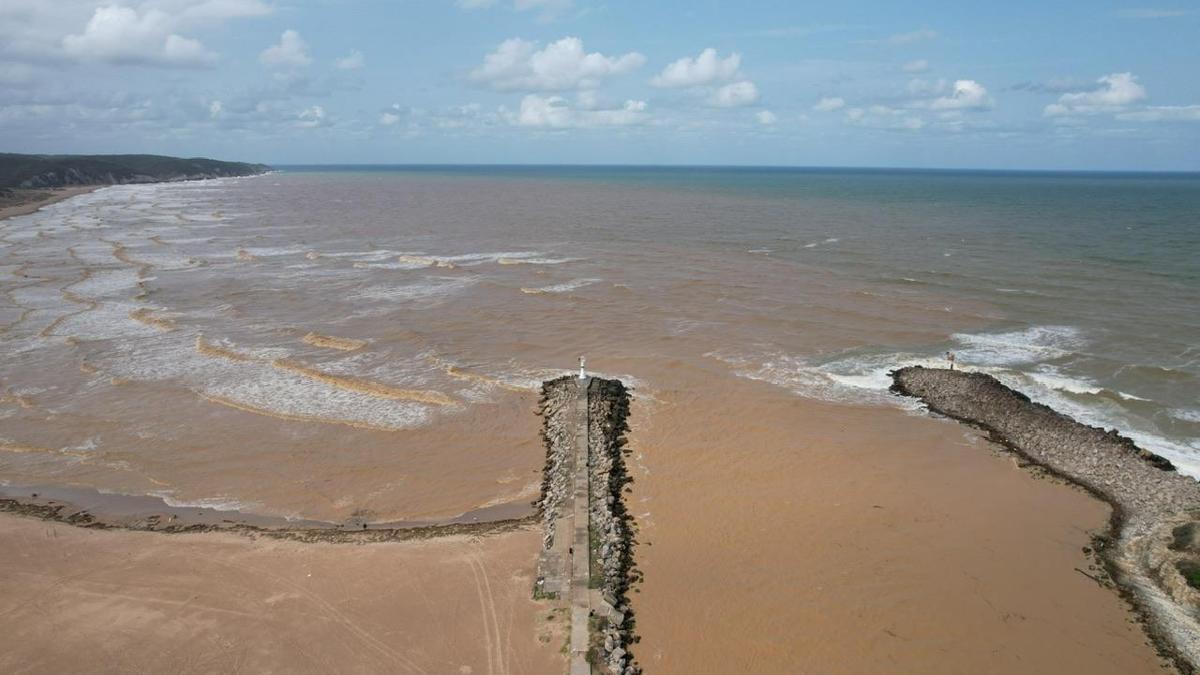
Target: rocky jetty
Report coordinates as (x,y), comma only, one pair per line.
(611,529)
(1154,555)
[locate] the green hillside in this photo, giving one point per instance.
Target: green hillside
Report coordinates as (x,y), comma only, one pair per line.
(38,171)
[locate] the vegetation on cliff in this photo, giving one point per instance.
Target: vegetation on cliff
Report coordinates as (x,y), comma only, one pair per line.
(46,171)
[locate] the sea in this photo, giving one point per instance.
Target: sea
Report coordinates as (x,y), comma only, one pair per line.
(346,341)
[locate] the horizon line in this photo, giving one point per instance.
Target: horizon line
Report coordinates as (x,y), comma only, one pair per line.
(809,167)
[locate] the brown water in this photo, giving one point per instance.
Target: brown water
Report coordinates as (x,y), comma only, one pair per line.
(202,341)
(368,346)
(320,344)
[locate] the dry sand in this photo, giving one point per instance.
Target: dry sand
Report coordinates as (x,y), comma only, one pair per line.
(74,600)
(869,541)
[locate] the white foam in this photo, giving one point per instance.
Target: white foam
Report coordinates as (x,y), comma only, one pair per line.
(214,503)
(107,321)
(563,287)
(106,284)
(854,379)
(274,251)
(366,256)
(39,297)
(472,259)
(1053,379)
(403,263)
(1035,344)
(536,261)
(1186,415)
(434,289)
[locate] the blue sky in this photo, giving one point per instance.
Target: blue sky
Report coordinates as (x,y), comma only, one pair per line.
(1082,85)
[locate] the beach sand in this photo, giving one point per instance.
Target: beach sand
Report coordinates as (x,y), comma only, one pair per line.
(22,201)
(78,600)
(785,536)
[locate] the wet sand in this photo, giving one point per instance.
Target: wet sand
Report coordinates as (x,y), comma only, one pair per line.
(74,600)
(787,536)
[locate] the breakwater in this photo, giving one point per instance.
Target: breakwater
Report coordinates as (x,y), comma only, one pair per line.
(1153,549)
(586,560)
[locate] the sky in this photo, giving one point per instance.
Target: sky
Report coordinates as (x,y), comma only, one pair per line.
(1007,85)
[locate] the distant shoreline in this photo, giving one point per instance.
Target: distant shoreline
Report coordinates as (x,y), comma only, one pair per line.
(23,201)
(305,167)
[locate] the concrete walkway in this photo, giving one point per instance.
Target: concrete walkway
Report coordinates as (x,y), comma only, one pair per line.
(581,607)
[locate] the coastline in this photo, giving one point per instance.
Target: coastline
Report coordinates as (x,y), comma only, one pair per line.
(52,196)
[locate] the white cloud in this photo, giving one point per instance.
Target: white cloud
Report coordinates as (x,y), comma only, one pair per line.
(705,69)
(214,109)
(734,95)
(918,66)
(292,51)
(517,65)
(705,74)
(37,31)
(117,34)
(1116,91)
(966,95)
(555,112)
(352,61)
(766,117)
(387,119)
(829,104)
(1163,113)
(311,117)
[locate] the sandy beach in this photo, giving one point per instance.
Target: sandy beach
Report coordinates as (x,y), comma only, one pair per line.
(22,201)
(73,599)
(879,541)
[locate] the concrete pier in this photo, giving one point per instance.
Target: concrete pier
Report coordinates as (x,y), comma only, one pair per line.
(581,606)
(585,560)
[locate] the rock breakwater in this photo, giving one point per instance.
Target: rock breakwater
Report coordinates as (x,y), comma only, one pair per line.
(611,529)
(1154,554)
